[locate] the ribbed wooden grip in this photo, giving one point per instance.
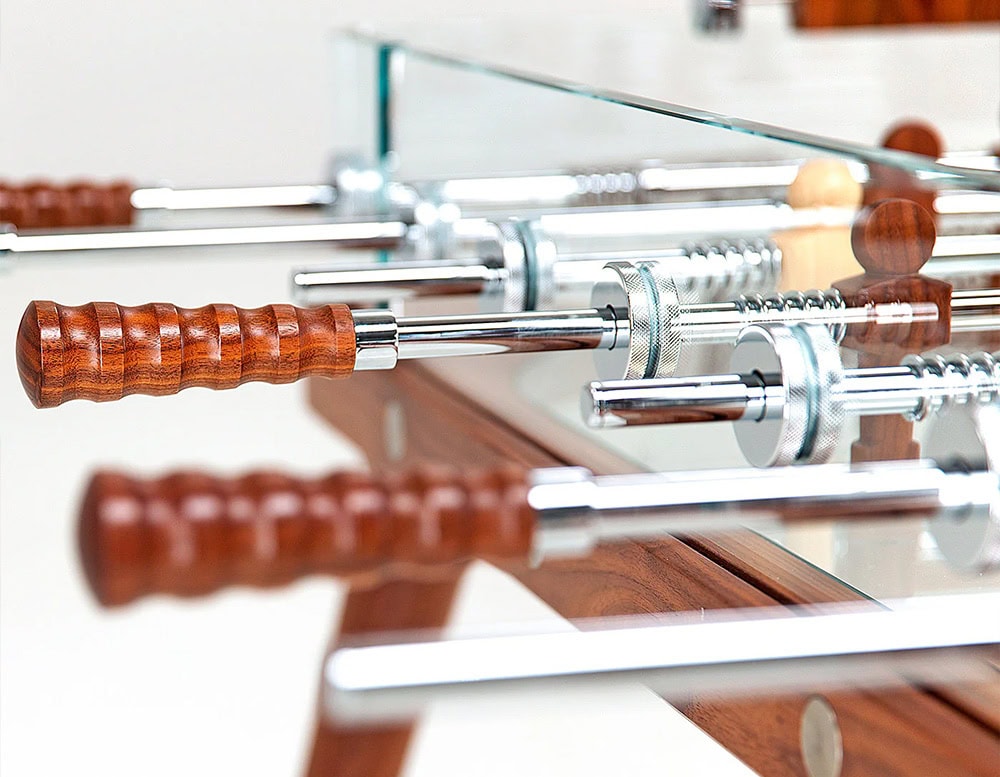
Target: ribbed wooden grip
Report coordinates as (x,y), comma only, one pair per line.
(102,351)
(45,205)
(188,534)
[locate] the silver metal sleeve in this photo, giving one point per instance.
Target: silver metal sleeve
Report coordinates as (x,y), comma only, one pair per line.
(376,336)
(355,234)
(166,198)
(673,400)
(976,310)
(577,510)
(733,653)
(566,330)
(394,280)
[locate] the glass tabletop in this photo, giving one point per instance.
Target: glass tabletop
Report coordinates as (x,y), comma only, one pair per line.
(831,92)
(564,95)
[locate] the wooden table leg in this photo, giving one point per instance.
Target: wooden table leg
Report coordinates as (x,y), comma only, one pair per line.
(390,606)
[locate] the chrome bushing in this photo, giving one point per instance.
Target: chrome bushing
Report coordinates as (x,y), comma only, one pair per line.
(503,247)
(667,308)
(622,288)
(776,357)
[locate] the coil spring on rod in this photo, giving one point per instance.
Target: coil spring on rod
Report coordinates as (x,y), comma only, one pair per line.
(607,187)
(723,270)
(959,379)
(815,299)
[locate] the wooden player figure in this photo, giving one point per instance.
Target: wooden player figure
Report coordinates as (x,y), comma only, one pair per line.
(892,239)
(884,182)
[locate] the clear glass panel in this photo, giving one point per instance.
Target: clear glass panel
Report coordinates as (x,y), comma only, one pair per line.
(464,100)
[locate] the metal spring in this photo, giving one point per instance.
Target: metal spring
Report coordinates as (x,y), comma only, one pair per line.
(722,270)
(958,379)
(617,187)
(815,299)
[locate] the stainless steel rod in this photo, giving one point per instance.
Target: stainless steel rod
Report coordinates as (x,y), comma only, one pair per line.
(837,645)
(357,234)
(167,198)
(910,390)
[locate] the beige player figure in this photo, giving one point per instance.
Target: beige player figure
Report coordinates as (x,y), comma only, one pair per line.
(814,257)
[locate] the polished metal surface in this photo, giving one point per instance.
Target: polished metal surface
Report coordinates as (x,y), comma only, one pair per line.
(167,198)
(969,438)
(521,269)
(372,283)
(577,510)
(858,644)
(789,393)
(354,233)
(382,338)
(363,190)
(783,433)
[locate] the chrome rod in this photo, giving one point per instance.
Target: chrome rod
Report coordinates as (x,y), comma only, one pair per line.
(382,339)
(626,183)
(577,510)
(733,653)
(375,234)
(394,280)
(789,393)
(520,268)
(635,324)
(167,198)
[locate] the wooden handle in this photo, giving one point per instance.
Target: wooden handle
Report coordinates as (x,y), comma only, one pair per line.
(45,205)
(102,351)
(188,534)
(851,13)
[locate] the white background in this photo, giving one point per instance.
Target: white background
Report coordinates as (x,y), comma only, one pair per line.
(210,92)
(204,93)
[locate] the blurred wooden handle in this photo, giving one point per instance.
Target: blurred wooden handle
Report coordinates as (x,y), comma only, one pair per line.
(45,205)
(851,13)
(188,534)
(102,351)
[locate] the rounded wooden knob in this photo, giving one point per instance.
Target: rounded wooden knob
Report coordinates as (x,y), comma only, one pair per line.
(46,205)
(824,183)
(916,137)
(189,533)
(893,237)
(102,351)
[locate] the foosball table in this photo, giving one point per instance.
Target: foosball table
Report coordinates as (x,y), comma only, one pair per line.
(805,564)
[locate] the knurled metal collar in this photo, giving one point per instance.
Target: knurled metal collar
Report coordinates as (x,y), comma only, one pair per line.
(540,252)
(622,288)
(826,405)
(779,360)
(667,309)
(504,247)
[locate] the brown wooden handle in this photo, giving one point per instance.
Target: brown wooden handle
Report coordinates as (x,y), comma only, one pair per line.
(851,13)
(102,351)
(188,534)
(45,205)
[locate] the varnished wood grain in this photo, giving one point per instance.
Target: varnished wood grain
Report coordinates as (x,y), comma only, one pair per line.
(893,237)
(46,205)
(884,181)
(674,575)
(854,13)
(916,137)
(908,732)
(102,351)
(379,751)
(189,533)
(408,416)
